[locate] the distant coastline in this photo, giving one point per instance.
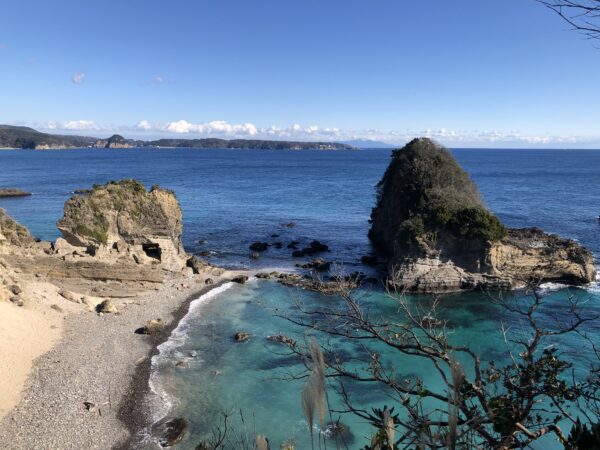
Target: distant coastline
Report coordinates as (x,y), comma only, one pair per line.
(16,138)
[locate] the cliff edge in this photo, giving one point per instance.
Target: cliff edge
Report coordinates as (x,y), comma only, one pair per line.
(438,235)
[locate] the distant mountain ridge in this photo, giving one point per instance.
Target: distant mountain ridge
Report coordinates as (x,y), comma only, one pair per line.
(25,137)
(368,143)
(28,138)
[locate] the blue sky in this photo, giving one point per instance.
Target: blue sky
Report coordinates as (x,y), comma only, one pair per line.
(468,72)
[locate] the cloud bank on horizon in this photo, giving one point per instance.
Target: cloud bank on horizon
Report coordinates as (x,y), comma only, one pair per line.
(222,129)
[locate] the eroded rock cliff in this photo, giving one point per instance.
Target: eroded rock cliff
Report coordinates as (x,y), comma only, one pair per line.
(125,218)
(439,237)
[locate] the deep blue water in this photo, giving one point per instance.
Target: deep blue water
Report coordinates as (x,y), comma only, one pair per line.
(231,198)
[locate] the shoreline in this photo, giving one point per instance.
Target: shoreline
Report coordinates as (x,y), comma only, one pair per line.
(133,410)
(100,361)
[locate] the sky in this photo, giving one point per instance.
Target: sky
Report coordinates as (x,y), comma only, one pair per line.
(470,73)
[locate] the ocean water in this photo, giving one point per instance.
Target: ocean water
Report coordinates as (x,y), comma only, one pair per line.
(231,198)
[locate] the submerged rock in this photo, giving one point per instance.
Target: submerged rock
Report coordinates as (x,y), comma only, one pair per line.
(259,246)
(438,236)
(340,433)
(171,432)
(281,339)
(241,336)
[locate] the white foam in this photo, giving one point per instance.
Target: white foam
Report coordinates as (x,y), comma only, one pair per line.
(546,288)
(177,339)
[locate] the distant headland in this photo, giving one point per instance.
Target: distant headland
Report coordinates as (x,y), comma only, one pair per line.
(16,137)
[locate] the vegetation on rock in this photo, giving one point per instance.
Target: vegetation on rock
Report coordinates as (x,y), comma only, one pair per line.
(423,191)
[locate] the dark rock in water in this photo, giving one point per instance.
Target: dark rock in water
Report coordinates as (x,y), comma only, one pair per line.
(206,253)
(263,275)
(281,339)
(293,245)
(241,279)
(278,245)
(340,433)
(241,336)
(438,236)
(319,264)
(279,362)
(259,246)
(369,260)
(289,225)
(10,192)
(274,235)
(171,432)
(297,253)
(319,246)
(315,247)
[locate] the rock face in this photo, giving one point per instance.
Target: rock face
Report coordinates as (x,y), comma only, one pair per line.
(439,237)
(124,217)
(11,233)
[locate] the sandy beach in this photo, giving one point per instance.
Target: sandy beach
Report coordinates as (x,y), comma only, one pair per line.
(87,386)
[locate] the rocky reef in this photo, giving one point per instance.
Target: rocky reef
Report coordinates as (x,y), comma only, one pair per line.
(438,236)
(118,240)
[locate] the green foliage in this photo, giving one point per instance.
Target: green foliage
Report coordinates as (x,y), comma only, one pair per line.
(424,190)
(477,222)
(98,234)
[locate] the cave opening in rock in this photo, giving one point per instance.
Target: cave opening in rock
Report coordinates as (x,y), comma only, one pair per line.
(152,251)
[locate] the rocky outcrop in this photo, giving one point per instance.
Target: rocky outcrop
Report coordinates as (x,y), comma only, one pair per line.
(123,218)
(12,192)
(115,141)
(439,237)
(11,233)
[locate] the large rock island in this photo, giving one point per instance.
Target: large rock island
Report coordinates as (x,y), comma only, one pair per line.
(438,235)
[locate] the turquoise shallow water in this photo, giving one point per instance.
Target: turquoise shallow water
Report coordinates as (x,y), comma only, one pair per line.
(231,198)
(203,372)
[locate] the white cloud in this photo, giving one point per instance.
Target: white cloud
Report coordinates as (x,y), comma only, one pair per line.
(143,125)
(223,129)
(79,125)
(216,127)
(78,78)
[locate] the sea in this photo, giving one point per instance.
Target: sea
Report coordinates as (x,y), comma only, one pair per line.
(231,198)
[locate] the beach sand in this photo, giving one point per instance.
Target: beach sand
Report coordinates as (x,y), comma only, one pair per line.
(84,357)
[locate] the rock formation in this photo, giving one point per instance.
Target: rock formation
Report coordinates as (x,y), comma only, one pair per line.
(439,237)
(118,240)
(12,192)
(11,233)
(123,217)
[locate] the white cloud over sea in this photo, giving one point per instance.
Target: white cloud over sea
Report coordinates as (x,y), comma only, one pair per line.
(146,129)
